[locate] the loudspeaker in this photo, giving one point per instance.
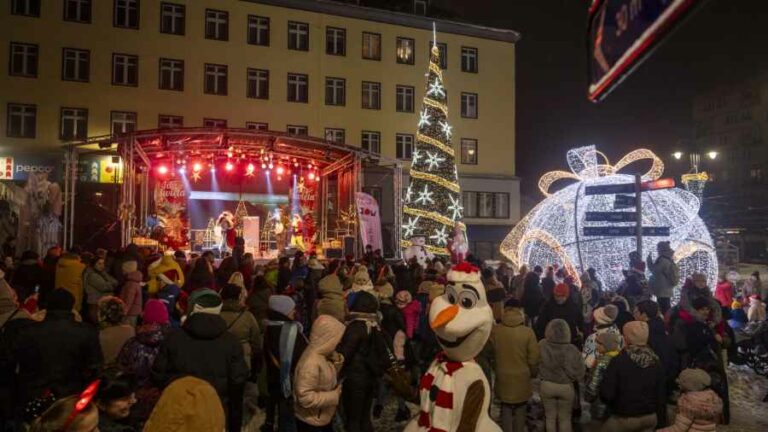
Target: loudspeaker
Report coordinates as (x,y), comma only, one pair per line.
(349,245)
(332,253)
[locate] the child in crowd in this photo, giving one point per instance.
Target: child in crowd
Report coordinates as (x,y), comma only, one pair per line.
(608,347)
(698,408)
(756,311)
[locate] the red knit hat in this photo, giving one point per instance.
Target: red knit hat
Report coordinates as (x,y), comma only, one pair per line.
(155,312)
(562,290)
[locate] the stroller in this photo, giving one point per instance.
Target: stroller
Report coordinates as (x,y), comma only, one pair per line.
(752,347)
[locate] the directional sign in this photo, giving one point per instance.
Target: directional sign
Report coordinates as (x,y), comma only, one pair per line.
(609,189)
(611,217)
(624,201)
(625,231)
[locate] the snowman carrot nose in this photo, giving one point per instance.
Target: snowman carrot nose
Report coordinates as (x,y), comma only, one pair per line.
(445,316)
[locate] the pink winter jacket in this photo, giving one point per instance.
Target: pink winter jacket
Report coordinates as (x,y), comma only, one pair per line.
(131,293)
(411,313)
(697,412)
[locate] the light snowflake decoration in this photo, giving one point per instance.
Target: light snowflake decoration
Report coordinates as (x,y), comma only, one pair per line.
(408,194)
(455,207)
(436,89)
(440,236)
(552,233)
(424,118)
(411,226)
(415,156)
(425,196)
(434,160)
(447,129)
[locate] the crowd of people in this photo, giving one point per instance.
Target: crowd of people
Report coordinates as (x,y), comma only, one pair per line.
(133,340)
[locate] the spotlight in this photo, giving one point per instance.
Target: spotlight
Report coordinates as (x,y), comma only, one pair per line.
(271,166)
(229,166)
(279,178)
(213,169)
(712,155)
(263,165)
(250,168)
(197,167)
(280,170)
(677,155)
(267,172)
(182,170)
(162,170)
(311,176)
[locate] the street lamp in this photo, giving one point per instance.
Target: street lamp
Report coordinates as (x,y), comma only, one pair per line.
(712,155)
(677,155)
(695,181)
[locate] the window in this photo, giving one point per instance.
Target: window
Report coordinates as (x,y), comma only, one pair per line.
(335,41)
(22,121)
(169,121)
(216,24)
(298,36)
(77,11)
(75,65)
(371,141)
(123,122)
(469,151)
(404,98)
(371,95)
(335,91)
(420,7)
(214,123)
(443,49)
(486,205)
(125,70)
(469,105)
(297,130)
(29,8)
(215,79)
(371,46)
(404,146)
(126,14)
(334,135)
(74,124)
(258,84)
(298,88)
(406,54)
(258,30)
(469,59)
(171,74)
(172,18)
(23,60)
(256,126)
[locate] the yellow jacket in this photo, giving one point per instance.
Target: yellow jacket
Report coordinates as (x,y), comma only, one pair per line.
(165,265)
(69,275)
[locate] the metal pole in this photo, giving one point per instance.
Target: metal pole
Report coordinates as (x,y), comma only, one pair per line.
(67,156)
(639,215)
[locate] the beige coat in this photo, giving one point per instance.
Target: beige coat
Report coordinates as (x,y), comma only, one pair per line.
(316,388)
(242,324)
(517,357)
(332,297)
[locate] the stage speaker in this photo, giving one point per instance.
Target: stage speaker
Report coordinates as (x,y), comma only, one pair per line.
(349,245)
(334,253)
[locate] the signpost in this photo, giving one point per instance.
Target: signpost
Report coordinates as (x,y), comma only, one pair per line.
(624,202)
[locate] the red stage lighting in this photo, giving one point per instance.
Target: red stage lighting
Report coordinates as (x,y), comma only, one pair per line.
(197,167)
(162,170)
(280,170)
(311,175)
(250,168)
(263,165)
(229,166)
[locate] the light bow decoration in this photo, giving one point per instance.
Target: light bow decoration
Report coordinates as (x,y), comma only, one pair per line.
(695,183)
(552,233)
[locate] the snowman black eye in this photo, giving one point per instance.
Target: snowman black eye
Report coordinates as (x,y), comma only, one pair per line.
(450,294)
(468,299)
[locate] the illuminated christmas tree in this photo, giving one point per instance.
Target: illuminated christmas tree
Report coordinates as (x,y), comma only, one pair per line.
(432,206)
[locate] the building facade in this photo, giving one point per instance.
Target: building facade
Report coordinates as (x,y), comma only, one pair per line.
(733,121)
(85,68)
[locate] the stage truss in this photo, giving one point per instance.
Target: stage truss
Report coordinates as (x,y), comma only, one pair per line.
(143,151)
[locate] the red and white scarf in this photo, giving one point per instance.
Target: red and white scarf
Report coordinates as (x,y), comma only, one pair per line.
(436,392)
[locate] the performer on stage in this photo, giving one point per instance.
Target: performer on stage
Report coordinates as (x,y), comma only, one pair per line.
(226,222)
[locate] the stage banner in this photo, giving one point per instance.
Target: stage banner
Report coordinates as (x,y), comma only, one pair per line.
(369,219)
(307,194)
(171,207)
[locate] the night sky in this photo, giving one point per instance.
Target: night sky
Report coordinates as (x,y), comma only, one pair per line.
(722,42)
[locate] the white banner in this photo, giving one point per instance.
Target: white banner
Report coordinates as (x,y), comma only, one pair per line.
(369,220)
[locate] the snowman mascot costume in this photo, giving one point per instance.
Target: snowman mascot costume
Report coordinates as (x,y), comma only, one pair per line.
(454,392)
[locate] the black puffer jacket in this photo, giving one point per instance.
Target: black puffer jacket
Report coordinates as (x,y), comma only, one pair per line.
(356,346)
(633,384)
(272,348)
(533,297)
(202,348)
(570,311)
(57,354)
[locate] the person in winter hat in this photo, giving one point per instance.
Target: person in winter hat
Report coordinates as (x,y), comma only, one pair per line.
(724,291)
(604,323)
(169,295)
(202,347)
(188,404)
(559,307)
(633,385)
(241,323)
(331,292)
(115,399)
(517,362)
(284,343)
(699,408)
(756,312)
(561,366)
(739,317)
(316,388)
(665,275)
(130,294)
(140,352)
(696,287)
(168,266)
(114,332)
(98,283)
(411,310)
(607,348)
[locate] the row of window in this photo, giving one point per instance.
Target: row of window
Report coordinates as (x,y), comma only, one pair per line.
(22,123)
(75,66)
(173,21)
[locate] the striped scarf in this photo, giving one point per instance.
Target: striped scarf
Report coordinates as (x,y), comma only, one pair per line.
(436,393)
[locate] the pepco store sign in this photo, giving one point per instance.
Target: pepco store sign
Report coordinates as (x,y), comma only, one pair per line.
(16,169)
